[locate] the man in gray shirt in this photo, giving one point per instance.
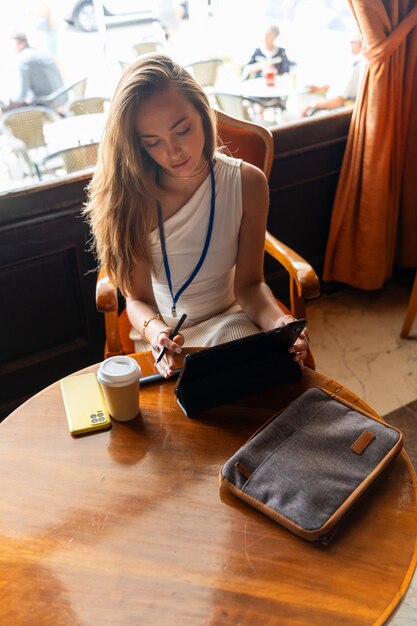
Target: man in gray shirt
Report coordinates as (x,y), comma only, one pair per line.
(351,89)
(39,74)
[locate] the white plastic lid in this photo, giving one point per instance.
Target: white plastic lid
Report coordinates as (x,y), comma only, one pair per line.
(118,371)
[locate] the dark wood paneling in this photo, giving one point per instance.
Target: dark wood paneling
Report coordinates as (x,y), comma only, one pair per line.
(47,283)
(49,299)
(308,158)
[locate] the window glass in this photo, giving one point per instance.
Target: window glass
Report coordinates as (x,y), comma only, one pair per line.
(56,86)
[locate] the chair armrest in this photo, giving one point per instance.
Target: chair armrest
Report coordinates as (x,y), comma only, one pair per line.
(107,303)
(106,294)
(46,100)
(304,282)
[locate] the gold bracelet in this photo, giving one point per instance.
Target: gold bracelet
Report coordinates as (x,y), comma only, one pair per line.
(145,325)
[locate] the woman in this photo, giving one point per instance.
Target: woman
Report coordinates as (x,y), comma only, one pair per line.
(179,225)
(268,56)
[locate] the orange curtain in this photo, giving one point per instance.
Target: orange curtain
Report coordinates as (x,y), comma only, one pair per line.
(374,219)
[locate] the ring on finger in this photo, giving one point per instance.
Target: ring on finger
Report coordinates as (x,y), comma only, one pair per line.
(155,347)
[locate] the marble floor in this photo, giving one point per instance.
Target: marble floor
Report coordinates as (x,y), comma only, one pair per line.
(355,338)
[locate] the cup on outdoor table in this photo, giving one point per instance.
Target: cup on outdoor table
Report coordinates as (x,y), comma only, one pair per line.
(119,379)
(270,75)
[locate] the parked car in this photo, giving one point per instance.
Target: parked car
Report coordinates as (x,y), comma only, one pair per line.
(81,13)
(330,14)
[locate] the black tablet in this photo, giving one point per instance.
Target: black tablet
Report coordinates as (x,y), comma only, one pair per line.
(223,373)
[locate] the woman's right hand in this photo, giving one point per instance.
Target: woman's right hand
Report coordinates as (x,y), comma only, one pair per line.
(166,365)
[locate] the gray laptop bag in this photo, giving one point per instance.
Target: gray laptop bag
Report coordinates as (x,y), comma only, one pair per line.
(308,465)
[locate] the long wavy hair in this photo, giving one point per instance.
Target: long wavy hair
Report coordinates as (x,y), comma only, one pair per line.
(122,193)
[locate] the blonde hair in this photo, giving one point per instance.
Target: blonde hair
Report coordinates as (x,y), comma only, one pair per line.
(122,193)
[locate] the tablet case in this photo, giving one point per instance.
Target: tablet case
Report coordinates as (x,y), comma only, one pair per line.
(224,373)
(307,466)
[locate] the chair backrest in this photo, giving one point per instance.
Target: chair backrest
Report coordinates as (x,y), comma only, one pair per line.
(27,124)
(84,106)
(232,105)
(76,159)
(63,94)
(247,141)
(143,47)
(204,72)
(77,89)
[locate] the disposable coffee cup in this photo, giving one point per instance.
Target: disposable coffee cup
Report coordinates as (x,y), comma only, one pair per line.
(119,379)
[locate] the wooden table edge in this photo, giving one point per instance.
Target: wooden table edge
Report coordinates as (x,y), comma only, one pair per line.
(396,600)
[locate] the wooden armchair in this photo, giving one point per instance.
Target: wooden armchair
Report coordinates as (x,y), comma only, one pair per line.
(254,144)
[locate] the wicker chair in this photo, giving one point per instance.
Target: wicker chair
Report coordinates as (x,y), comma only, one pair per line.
(240,106)
(124,64)
(26,124)
(84,106)
(63,95)
(143,47)
(205,72)
(72,160)
(233,105)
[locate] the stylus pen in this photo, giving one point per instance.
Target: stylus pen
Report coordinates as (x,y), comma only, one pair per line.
(158,378)
(172,335)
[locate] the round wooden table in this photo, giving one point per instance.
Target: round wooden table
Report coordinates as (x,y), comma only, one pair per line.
(128,526)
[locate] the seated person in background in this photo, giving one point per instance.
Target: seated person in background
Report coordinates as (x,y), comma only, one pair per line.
(178,224)
(39,74)
(268,56)
(350,91)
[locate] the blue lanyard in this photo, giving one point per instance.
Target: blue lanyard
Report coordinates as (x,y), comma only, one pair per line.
(195,271)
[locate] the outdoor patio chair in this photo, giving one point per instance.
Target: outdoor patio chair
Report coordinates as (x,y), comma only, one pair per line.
(124,64)
(143,47)
(233,105)
(72,159)
(84,106)
(59,98)
(205,72)
(12,160)
(241,107)
(25,128)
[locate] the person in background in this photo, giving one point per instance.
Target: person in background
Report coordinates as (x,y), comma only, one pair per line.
(350,91)
(39,74)
(268,56)
(177,223)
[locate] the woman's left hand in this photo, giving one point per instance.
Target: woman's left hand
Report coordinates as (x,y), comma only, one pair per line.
(300,346)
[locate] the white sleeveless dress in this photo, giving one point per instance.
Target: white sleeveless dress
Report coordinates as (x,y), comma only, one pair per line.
(213,315)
